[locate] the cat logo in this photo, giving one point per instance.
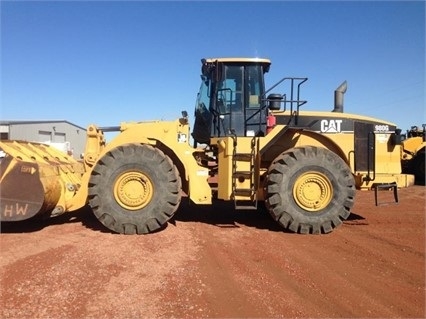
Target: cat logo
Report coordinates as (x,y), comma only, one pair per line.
(331,126)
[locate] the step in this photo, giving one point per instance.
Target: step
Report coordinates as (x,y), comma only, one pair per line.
(385,186)
(245,174)
(247,192)
(243,157)
(245,205)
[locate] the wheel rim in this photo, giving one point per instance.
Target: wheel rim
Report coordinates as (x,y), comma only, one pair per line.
(133,190)
(312,191)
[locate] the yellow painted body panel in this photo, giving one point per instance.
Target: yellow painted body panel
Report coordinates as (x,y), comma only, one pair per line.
(338,115)
(172,135)
(295,137)
(411,146)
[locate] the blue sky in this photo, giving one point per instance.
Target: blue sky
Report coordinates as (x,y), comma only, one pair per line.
(109,62)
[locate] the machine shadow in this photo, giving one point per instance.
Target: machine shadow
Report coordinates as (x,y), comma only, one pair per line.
(83,215)
(219,214)
(355,220)
(224,215)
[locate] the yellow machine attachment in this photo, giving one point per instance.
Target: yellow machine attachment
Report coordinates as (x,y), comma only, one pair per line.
(36,179)
(413,153)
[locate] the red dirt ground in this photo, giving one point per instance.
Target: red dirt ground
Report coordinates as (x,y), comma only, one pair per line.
(213,262)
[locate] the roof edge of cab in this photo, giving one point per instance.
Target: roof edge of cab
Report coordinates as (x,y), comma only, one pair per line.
(240,60)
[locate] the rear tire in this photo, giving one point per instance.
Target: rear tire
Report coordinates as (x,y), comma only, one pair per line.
(134,189)
(309,190)
(418,164)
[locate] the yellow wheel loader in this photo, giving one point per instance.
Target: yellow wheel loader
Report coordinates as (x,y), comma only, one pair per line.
(413,153)
(248,145)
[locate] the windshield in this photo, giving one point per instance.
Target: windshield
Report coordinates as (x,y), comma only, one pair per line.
(232,104)
(241,88)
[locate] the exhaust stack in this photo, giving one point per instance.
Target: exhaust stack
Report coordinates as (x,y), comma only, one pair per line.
(338,97)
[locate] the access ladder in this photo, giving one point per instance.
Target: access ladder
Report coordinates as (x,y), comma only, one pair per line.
(244,182)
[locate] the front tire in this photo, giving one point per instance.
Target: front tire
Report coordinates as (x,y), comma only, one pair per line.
(134,189)
(309,190)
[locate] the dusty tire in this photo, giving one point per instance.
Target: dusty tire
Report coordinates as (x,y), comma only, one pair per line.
(418,167)
(134,188)
(309,190)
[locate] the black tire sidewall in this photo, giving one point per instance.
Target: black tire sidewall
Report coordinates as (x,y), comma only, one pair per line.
(298,161)
(155,165)
(418,167)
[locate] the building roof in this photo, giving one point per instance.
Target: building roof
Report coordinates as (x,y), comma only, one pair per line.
(14,122)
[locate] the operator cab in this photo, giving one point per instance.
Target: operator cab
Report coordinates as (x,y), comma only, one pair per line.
(231,99)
